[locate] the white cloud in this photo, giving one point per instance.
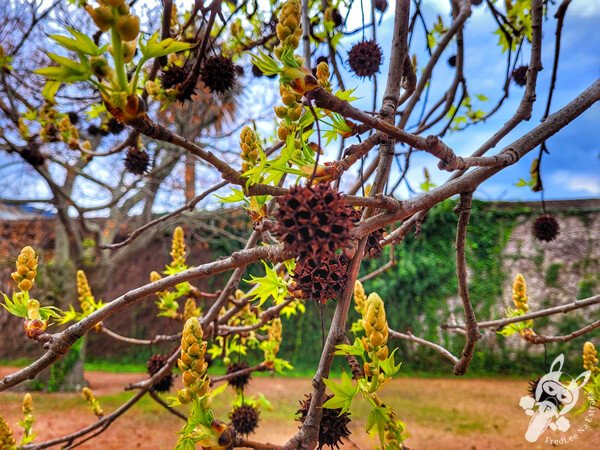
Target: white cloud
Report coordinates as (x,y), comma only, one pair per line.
(585,8)
(577,183)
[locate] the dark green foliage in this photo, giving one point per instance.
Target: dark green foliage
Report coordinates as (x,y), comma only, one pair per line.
(552,274)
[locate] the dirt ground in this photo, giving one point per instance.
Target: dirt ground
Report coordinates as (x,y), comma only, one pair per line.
(471,414)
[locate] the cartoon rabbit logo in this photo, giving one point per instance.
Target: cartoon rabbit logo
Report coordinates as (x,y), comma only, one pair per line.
(552,400)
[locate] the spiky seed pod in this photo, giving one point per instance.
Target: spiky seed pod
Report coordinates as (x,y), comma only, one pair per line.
(256,71)
(365,58)
(73,117)
(320,279)
(336,17)
(590,357)
(546,227)
(373,247)
(452,61)
(313,221)
(239,71)
(192,363)
(239,382)
(376,326)
(32,155)
(137,161)
(154,364)
(114,126)
(93,130)
(218,73)
(244,419)
(532,388)
(476,2)
(519,75)
(334,424)
(178,253)
(27,263)
(519,293)
(381,5)
(7,441)
(172,75)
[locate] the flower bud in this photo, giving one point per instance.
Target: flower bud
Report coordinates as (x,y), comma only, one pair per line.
(128,27)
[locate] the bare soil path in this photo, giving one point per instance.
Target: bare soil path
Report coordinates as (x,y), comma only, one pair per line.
(441,414)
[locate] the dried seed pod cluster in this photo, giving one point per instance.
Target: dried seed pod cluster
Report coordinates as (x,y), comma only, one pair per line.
(334,424)
(313,221)
(546,228)
(154,364)
(320,279)
(365,58)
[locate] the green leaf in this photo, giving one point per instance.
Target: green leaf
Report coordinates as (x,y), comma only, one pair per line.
(153,48)
(81,43)
(355,349)
(237,195)
(271,285)
(343,393)
(50,89)
(481,97)
(378,417)
(265,63)
(388,366)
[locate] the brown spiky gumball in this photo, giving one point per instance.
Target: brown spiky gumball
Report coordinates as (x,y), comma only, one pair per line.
(218,73)
(333,427)
(137,161)
(239,382)
(519,75)
(244,419)
(313,221)
(154,364)
(320,279)
(546,227)
(365,58)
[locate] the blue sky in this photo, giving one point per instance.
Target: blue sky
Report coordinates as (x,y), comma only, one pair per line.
(572,169)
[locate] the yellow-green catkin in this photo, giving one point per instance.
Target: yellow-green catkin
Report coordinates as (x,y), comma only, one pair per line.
(84,292)
(178,248)
(289,30)
(323,75)
(7,441)
(27,263)
(519,293)
(190,309)
(250,148)
(376,325)
(360,298)
(590,358)
(192,363)
(27,422)
(275,334)
(88,395)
